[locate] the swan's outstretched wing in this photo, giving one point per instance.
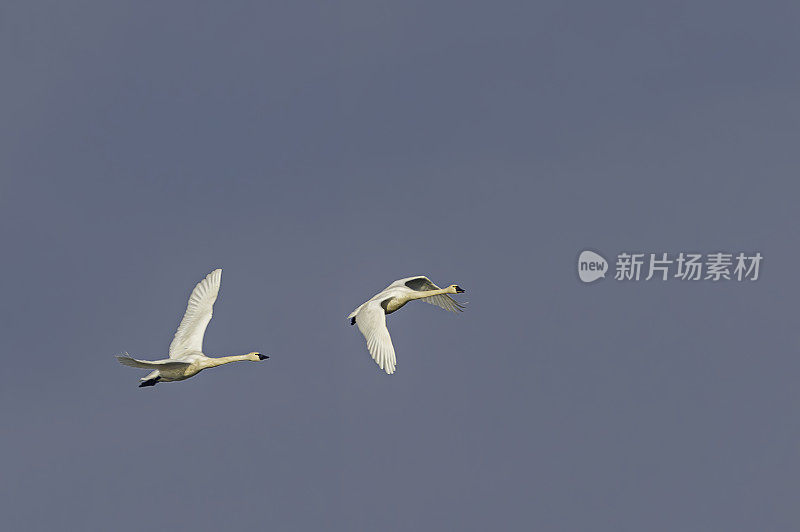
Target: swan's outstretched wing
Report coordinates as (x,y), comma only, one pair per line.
(371,321)
(444,301)
(126,360)
(189,336)
(422,283)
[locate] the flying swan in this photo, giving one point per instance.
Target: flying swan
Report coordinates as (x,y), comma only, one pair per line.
(371,316)
(186,358)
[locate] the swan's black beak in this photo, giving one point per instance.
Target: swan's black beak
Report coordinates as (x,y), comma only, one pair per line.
(459,290)
(262,357)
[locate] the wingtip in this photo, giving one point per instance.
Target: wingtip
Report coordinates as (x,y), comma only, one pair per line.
(126,360)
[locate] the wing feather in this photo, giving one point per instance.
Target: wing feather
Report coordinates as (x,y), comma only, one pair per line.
(420,283)
(371,321)
(126,360)
(189,336)
(444,301)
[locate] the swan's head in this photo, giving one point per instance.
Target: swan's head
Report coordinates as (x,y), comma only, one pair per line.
(454,288)
(257,356)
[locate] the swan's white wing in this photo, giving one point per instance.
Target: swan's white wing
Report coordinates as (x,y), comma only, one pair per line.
(444,301)
(422,283)
(189,336)
(126,360)
(371,321)
(416,282)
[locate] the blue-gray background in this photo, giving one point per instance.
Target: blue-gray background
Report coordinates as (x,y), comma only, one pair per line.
(318,151)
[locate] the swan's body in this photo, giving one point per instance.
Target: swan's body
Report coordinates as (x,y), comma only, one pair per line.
(371,316)
(186,358)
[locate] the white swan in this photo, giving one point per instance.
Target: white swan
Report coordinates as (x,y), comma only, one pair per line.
(186,358)
(371,316)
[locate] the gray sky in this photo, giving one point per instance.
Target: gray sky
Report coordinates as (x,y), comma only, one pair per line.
(318,152)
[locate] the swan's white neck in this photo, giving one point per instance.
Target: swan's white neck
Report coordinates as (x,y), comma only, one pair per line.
(218,361)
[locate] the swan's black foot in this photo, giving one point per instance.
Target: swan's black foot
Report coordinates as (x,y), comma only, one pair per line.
(151,382)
